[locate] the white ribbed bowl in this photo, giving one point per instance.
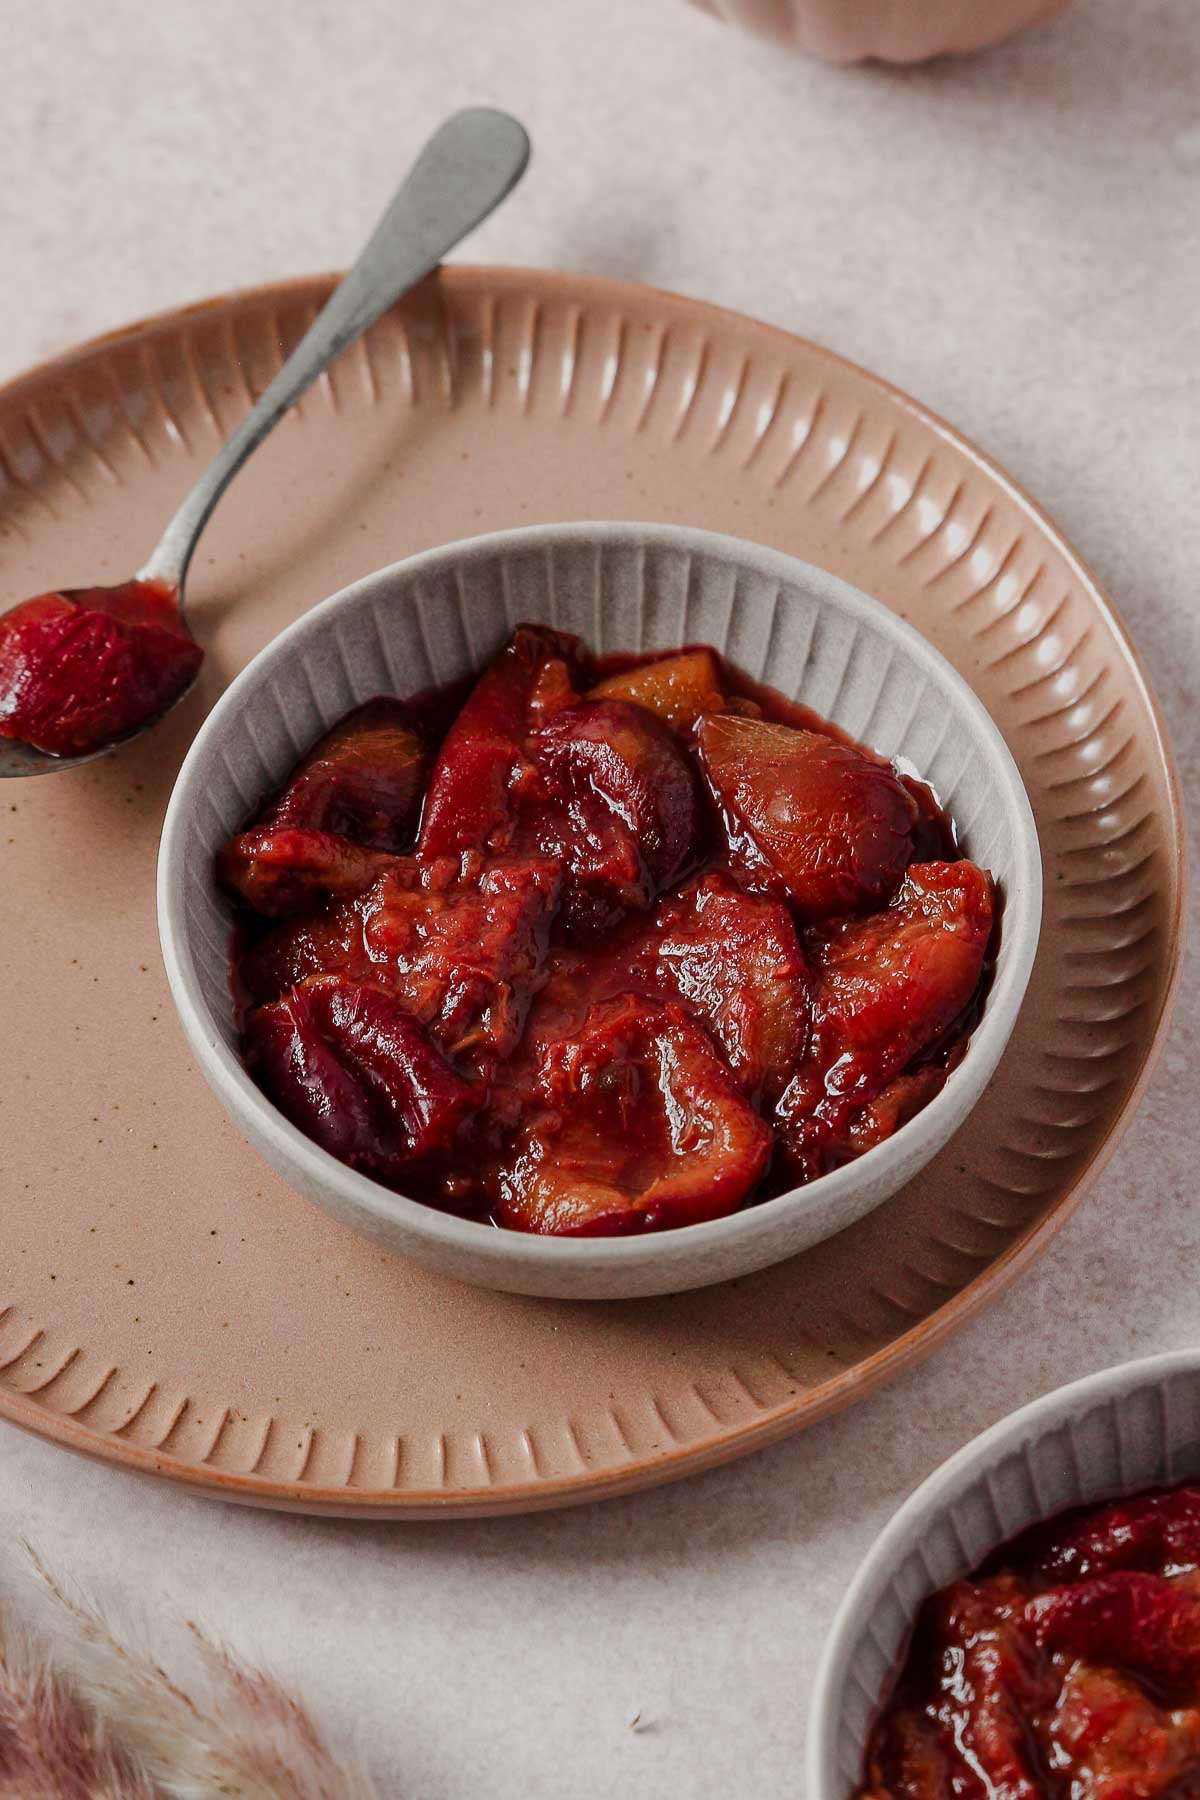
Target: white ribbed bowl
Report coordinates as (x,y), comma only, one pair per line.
(1135,1426)
(896,31)
(440,615)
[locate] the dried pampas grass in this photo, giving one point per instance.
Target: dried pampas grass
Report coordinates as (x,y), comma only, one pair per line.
(101,1721)
(51,1747)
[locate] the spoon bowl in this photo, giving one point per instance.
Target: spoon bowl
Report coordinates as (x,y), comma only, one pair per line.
(21,759)
(17,758)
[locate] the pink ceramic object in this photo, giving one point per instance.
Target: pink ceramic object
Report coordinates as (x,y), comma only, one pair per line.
(896,31)
(168,1303)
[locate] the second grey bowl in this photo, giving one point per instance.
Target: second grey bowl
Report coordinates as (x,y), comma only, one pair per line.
(439,616)
(1120,1431)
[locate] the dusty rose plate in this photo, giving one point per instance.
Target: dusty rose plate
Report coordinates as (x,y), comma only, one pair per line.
(167,1303)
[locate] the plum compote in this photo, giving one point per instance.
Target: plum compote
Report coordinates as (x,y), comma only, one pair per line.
(1066,1668)
(605,946)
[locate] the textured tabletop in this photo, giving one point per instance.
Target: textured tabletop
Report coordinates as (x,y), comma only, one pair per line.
(1016,240)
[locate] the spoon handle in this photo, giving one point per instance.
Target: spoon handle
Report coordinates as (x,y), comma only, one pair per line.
(465,170)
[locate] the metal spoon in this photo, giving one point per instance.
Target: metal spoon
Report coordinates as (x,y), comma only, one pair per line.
(465,170)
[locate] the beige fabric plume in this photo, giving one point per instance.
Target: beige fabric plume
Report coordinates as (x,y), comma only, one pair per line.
(85,1717)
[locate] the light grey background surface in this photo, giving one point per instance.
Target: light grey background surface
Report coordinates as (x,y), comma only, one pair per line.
(1015,239)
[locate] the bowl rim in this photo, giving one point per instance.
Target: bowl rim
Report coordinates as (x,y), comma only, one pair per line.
(506,1249)
(932,1498)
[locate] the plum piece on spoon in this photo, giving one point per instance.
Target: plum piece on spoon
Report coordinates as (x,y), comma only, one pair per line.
(81,669)
(85,669)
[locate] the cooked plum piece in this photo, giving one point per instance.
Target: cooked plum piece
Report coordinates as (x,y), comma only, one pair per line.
(353,1069)
(1116,1743)
(472,793)
(908,1758)
(1148,1532)
(901,1100)
(679,690)
(736,959)
(621,809)
(467,959)
(888,987)
(732,958)
(986,1659)
(289,871)
(324,943)
(82,668)
(820,823)
(980,1684)
(363,780)
(463,951)
(1141,1620)
(636,1125)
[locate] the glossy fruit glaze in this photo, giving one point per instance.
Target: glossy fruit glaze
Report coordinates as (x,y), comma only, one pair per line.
(85,667)
(601,947)
(1068,1668)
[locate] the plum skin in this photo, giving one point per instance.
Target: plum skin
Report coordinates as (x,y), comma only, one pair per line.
(824,824)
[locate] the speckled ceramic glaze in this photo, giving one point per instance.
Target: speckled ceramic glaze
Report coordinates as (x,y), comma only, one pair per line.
(897,31)
(438,618)
(167,1301)
(1132,1427)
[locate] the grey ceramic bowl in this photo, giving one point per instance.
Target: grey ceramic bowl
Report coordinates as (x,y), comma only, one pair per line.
(440,615)
(1132,1427)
